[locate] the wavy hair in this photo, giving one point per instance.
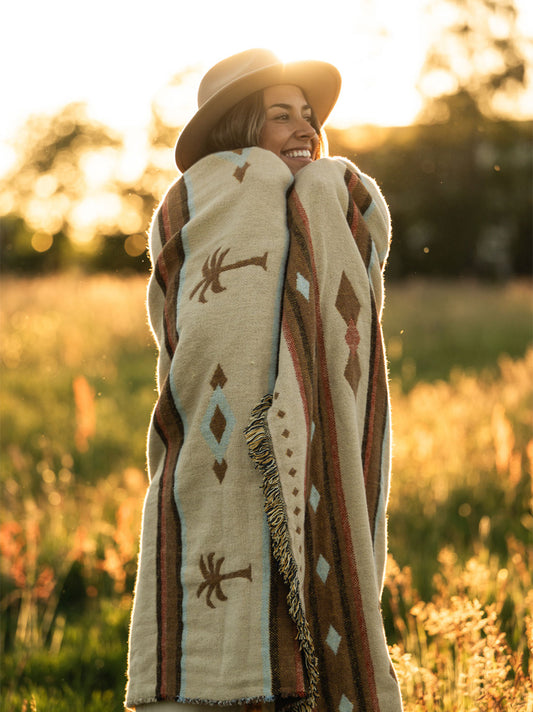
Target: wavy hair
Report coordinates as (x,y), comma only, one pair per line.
(241,127)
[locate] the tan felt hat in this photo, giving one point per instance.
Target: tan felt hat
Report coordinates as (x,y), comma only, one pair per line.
(238,76)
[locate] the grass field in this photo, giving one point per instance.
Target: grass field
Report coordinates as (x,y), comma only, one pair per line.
(77,389)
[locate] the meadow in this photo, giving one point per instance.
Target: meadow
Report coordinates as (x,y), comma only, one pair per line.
(77,389)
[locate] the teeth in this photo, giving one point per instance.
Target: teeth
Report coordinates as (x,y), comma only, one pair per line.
(304,153)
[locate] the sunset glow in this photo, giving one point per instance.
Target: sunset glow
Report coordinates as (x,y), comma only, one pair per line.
(123,54)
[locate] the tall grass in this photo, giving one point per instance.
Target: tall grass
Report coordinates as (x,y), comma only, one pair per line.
(77,390)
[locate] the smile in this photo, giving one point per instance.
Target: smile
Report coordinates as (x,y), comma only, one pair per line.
(300,153)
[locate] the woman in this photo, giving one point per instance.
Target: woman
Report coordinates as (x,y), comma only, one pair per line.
(263,543)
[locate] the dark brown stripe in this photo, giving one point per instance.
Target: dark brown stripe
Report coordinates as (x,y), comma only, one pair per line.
(344,671)
(377,393)
(331,603)
(286,663)
(172,216)
(297,309)
(170,594)
(375,421)
(361,201)
(357,190)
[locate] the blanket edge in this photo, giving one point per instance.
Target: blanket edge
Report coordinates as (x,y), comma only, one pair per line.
(261,452)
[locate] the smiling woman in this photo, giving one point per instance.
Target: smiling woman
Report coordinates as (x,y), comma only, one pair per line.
(290,129)
(232,104)
(264,529)
(272,118)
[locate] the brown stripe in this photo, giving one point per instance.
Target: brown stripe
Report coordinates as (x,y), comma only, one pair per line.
(375,421)
(357,190)
(285,658)
(331,605)
(172,216)
(336,602)
(297,309)
(361,201)
(170,594)
(377,393)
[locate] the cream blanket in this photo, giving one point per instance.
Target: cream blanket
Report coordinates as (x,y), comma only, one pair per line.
(264,535)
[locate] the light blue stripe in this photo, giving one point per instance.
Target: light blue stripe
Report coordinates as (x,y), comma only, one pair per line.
(183,415)
(237,159)
(373,257)
(372,205)
(276,328)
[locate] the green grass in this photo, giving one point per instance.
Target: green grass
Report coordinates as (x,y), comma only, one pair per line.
(88,673)
(462,424)
(434,327)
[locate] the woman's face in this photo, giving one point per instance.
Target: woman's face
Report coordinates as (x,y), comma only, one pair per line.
(287,130)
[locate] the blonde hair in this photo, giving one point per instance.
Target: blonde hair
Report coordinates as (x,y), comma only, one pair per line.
(241,127)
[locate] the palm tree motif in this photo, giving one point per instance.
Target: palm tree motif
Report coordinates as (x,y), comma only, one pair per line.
(213,268)
(213,578)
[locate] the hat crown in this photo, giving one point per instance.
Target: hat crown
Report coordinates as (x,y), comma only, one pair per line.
(232,69)
(233,79)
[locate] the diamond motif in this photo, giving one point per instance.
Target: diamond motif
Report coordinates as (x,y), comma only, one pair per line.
(219,468)
(349,308)
(292,472)
(240,172)
(352,337)
(302,285)
(322,568)
(333,639)
(314,498)
(345,705)
(219,378)
(218,424)
(286,433)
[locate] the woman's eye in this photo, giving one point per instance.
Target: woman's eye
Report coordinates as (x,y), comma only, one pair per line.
(283,117)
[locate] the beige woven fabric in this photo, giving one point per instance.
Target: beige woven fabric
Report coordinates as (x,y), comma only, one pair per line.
(263,539)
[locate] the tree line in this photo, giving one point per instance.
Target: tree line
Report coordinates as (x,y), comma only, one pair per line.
(458,181)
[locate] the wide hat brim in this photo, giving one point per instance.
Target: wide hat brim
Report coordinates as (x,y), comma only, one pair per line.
(319,81)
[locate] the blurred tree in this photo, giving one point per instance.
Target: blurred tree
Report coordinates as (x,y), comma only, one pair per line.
(459,190)
(49,176)
(71,198)
(459,207)
(171,103)
(62,163)
(478,63)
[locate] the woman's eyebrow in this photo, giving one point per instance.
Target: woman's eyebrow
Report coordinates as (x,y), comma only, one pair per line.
(287,107)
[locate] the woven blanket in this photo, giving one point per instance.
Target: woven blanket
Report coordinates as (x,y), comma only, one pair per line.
(263,538)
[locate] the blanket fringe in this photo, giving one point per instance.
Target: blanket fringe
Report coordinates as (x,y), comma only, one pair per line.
(261,452)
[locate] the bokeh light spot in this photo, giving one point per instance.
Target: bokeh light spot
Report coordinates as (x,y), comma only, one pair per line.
(135,245)
(42,241)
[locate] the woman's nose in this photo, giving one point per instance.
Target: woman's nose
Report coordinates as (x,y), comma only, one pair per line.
(304,128)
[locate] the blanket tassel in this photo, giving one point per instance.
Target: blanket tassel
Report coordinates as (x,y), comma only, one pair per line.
(262,454)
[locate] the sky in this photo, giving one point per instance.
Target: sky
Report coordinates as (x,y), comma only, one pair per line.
(117,55)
